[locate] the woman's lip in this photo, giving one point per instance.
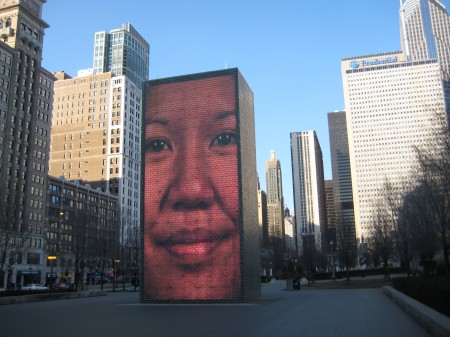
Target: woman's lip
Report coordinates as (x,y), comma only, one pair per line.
(192,248)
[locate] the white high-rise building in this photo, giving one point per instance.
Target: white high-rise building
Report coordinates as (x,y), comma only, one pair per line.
(309,187)
(425,31)
(391,106)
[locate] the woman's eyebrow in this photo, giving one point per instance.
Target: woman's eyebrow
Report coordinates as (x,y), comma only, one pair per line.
(224,115)
(158,121)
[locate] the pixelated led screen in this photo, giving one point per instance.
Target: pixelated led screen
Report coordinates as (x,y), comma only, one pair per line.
(191,191)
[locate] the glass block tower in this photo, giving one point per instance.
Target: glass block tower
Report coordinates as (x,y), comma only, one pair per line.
(425,31)
(122,51)
(342,179)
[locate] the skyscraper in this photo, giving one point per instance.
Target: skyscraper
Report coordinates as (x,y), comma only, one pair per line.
(391,106)
(275,207)
(330,233)
(92,143)
(122,51)
(425,31)
(96,131)
(342,179)
(309,187)
(26,92)
(262,216)
(290,235)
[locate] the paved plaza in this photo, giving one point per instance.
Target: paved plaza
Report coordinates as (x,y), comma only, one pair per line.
(279,313)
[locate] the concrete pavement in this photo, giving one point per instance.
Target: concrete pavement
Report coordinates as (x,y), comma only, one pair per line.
(279,313)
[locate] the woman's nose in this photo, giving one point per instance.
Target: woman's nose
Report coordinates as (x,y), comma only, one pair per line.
(192,188)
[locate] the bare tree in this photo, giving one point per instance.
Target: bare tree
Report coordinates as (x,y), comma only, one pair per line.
(13,242)
(103,247)
(419,213)
(404,232)
(384,236)
(311,255)
(346,247)
(134,254)
(13,245)
(79,241)
(434,179)
(381,240)
(129,245)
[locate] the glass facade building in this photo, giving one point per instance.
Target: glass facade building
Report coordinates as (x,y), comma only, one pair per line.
(342,180)
(425,32)
(122,51)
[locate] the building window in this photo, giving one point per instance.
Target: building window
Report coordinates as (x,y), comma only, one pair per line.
(33,258)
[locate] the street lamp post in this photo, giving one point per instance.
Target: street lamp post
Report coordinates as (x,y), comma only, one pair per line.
(333,272)
(115,273)
(52,259)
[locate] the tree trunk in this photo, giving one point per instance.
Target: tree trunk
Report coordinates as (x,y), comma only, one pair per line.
(445,247)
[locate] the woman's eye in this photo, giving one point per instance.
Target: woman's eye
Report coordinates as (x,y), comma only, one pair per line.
(158,145)
(224,139)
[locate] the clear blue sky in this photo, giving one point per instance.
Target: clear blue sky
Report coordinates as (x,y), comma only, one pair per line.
(289,51)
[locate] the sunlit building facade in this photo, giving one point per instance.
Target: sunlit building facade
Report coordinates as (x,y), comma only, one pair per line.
(123,52)
(309,188)
(275,209)
(96,130)
(391,106)
(96,137)
(425,31)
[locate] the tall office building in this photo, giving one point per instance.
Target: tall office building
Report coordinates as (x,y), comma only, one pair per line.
(309,187)
(330,233)
(290,234)
(96,136)
(425,31)
(342,179)
(275,207)
(96,131)
(262,216)
(265,252)
(124,52)
(26,91)
(391,106)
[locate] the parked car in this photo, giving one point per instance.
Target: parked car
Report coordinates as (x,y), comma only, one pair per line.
(60,285)
(34,286)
